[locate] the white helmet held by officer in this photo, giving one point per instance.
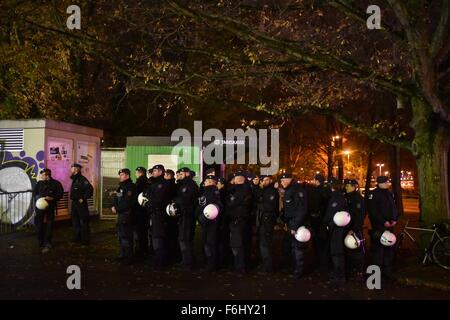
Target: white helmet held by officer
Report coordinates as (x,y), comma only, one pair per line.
(41,204)
(142,199)
(171,209)
(341,218)
(302,234)
(388,238)
(352,241)
(211,211)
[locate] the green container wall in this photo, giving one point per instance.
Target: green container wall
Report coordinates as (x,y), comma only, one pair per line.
(138,156)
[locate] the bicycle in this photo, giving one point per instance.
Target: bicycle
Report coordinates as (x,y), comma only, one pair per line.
(438,249)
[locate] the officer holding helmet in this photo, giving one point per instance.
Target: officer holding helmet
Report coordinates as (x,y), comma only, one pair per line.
(266,217)
(173,247)
(210,195)
(238,210)
(256,192)
(159,195)
(356,208)
(318,197)
(80,191)
(51,190)
(337,233)
(186,200)
(383,216)
(294,215)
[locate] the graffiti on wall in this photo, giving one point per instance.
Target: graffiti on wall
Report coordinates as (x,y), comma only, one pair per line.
(18,175)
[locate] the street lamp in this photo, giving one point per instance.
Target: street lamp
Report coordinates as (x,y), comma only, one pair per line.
(380,165)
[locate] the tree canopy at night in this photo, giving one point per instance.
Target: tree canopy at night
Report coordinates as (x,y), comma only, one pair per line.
(268,61)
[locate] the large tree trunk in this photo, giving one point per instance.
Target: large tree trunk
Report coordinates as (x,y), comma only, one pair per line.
(431,147)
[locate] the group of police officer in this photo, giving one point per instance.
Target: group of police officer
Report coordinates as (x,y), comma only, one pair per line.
(158,215)
(48,191)
(161,213)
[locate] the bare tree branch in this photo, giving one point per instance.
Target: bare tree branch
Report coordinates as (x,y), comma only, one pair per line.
(349,9)
(442,31)
(321,60)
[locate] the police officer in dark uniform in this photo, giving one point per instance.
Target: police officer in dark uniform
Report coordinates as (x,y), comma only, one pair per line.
(383,216)
(173,247)
(355,202)
(336,234)
(159,194)
(186,200)
(238,209)
(124,204)
(318,198)
(256,192)
(80,191)
(294,215)
(210,227)
(141,221)
(266,217)
(52,191)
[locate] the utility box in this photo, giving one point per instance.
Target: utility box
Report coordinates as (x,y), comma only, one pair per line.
(148,151)
(27,146)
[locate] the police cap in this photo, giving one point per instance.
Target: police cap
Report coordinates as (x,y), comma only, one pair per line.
(125,170)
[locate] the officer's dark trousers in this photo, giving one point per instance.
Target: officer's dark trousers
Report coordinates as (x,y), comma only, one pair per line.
(265,236)
(186,232)
(187,253)
(44,225)
(338,261)
(159,248)
(125,233)
(337,252)
(224,252)
(296,252)
(383,257)
(150,234)
(159,236)
(320,243)
(173,245)
(355,261)
(210,246)
(142,232)
(239,258)
(237,238)
(248,239)
(80,222)
(211,255)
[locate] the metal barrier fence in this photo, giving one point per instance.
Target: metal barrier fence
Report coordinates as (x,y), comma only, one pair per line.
(16,210)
